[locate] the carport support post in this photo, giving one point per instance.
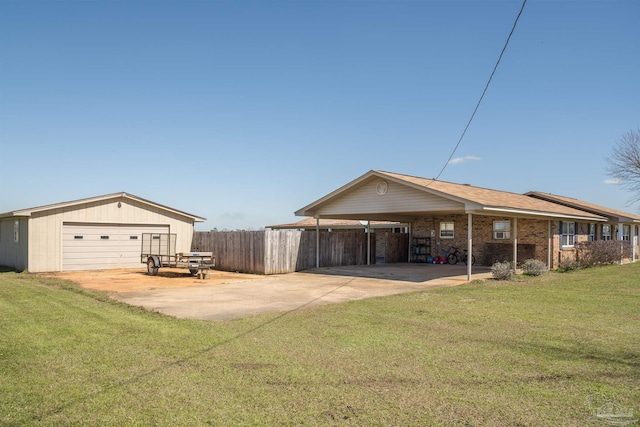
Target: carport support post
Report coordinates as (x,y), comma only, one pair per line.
(317,242)
(549,243)
(410,230)
(369,242)
(620,237)
(634,242)
(469,245)
(515,244)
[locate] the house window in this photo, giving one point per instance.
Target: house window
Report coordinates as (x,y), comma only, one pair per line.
(501,229)
(606,232)
(16,232)
(626,232)
(592,232)
(446,230)
(567,233)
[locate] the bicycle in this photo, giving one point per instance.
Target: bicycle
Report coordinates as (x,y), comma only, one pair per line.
(456,255)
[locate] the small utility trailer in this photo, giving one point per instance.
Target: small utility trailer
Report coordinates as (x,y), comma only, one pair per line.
(159,250)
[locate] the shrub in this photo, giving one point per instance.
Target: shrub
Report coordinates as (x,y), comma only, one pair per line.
(568,265)
(601,252)
(534,267)
(502,270)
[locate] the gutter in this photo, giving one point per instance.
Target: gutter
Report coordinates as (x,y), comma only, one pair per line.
(545,214)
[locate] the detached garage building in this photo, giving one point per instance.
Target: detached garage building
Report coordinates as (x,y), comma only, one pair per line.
(97,233)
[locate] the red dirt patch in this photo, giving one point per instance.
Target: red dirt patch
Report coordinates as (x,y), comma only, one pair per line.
(131,280)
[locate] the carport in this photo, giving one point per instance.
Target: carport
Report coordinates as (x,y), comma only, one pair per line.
(386,196)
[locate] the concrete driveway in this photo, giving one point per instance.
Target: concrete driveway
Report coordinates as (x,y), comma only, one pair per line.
(288,292)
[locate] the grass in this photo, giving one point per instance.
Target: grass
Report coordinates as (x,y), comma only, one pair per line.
(521,353)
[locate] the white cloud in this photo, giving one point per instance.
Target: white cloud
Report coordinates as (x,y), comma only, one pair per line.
(613,181)
(459,160)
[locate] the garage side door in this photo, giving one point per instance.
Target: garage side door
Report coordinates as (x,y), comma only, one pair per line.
(103,247)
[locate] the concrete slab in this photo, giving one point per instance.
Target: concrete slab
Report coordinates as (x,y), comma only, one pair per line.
(288,292)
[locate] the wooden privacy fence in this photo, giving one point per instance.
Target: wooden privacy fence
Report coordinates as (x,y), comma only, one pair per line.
(286,251)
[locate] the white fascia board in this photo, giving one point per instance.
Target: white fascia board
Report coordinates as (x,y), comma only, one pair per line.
(15,214)
(167,208)
(30,211)
(543,214)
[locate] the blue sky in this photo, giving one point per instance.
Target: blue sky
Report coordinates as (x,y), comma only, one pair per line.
(245,111)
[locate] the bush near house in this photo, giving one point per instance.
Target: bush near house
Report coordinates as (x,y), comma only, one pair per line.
(568,264)
(534,267)
(502,270)
(601,252)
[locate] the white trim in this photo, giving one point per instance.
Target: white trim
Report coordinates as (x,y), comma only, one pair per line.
(620,231)
(634,242)
(27,212)
(549,244)
(453,230)
(368,243)
(506,233)
(317,242)
(543,214)
(515,244)
(564,232)
(410,232)
(469,245)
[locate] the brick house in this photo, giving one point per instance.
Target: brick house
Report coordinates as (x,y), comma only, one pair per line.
(495,225)
(619,226)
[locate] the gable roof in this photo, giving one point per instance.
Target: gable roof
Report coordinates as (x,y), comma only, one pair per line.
(29,211)
(476,200)
(612,214)
(336,223)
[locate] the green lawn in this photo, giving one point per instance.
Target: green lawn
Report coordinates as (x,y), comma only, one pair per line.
(521,353)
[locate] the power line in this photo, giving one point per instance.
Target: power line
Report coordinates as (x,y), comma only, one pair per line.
(483,92)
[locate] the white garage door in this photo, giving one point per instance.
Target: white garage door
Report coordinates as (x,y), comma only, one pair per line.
(101,247)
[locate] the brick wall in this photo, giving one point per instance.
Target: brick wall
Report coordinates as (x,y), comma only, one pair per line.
(532,237)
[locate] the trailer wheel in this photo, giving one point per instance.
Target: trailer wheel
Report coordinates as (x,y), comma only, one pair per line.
(193,271)
(152,269)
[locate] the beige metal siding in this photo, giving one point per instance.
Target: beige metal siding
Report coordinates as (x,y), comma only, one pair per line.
(12,254)
(100,246)
(45,234)
(398,199)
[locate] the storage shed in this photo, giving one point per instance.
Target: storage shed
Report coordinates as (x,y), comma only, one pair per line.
(97,233)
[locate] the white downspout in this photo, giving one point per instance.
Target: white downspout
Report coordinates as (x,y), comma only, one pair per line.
(369,242)
(469,245)
(620,231)
(549,248)
(515,244)
(634,242)
(410,230)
